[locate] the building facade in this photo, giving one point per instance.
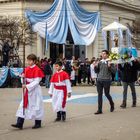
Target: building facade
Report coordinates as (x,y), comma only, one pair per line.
(124,11)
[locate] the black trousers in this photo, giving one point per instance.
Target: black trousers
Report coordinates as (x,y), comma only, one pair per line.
(103,85)
(79,76)
(75,81)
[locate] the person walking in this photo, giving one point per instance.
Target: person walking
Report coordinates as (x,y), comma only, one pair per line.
(104,69)
(48,70)
(31,106)
(60,88)
(129,75)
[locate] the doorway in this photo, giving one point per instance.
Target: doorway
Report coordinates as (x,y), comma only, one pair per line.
(67,50)
(56,51)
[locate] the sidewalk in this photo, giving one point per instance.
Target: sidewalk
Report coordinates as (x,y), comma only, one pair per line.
(81,122)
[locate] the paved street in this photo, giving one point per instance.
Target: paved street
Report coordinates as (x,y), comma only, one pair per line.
(81,122)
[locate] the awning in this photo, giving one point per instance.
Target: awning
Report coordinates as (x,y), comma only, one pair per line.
(114,27)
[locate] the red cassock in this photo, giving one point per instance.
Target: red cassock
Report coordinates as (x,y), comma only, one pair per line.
(59,83)
(59,77)
(30,72)
(33,72)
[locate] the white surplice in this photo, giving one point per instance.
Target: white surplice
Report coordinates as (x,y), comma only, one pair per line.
(58,95)
(35,109)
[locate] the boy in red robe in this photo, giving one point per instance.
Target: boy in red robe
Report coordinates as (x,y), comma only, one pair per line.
(31,106)
(60,88)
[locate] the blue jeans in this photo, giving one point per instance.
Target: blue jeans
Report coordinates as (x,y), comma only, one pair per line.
(133,91)
(47,81)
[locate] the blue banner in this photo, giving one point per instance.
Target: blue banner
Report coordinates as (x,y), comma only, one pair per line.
(15,72)
(3,75)
(5,72)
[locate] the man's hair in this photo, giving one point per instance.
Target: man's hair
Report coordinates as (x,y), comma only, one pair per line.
(106,51)
(32,57)
(49,60)
(59,63)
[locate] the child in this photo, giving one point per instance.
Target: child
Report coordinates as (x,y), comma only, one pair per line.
(92,73)
(31,106)
(60,88)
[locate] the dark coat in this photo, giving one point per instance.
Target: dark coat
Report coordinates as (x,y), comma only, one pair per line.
(48,69)
(129,73)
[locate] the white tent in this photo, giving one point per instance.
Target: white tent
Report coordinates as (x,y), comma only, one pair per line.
(117,28)
(121,44)
(114,26)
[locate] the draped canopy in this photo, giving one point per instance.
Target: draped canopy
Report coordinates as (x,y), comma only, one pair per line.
(63,14)
(114,27)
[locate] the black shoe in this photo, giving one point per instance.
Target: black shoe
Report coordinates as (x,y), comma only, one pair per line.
(36,127)
(19,123)
(37,124)
(58,117)
(112,108)
(123,105)
(63,116)
(16,126)
(98,112)
(134,104)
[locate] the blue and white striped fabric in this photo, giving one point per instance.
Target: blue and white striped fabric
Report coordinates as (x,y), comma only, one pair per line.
(15,72)
(63,14)
(3,75)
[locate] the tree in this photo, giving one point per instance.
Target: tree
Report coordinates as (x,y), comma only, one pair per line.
(17,30)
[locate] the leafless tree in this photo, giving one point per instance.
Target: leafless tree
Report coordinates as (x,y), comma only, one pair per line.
(17,30)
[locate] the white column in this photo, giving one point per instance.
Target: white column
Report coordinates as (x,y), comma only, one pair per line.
(39,47)
(95,46)
(47,53)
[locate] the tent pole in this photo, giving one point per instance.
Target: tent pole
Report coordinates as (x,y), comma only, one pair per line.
(64,50)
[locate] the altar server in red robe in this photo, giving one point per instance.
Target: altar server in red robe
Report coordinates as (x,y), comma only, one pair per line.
(31,106)
(60,88)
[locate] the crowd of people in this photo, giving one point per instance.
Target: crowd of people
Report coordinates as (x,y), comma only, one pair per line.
(58,81)
(80,72)
(100,72)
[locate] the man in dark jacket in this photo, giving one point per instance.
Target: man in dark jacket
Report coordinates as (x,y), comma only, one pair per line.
(129,73)
(48,72)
